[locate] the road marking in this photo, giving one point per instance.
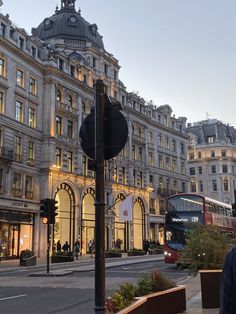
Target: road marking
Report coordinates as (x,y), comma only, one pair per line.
(14,297)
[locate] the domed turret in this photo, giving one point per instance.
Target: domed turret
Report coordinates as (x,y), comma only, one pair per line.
(67,23)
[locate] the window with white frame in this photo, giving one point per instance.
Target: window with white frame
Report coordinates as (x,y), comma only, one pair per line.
(58,157)
(58,125)
(19,78)
(19,111)
(1,102)
(30,159)
(17,184)
(32,86)
(29,187)
(2,67)
(70,161)
(32,117)
(17,149)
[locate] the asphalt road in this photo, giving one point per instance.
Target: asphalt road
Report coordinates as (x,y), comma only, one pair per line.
(22,294)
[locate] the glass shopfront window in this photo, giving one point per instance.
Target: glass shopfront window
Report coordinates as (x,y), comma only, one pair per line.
(15,236)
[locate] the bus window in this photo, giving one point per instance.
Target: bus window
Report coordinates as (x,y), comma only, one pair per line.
(185,203)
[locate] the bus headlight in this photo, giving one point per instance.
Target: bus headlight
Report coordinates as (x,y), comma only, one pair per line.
(167,253)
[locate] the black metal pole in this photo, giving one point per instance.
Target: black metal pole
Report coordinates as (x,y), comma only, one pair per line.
(99,201)
(48,244)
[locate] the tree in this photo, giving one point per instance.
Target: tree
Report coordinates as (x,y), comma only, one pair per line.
(206,249)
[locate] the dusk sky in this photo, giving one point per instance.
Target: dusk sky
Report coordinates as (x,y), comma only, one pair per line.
(176,52)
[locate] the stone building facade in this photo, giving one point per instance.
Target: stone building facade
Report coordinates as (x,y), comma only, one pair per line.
(46,90)
(212,159)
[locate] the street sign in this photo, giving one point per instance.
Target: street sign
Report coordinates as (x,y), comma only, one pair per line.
(115,132)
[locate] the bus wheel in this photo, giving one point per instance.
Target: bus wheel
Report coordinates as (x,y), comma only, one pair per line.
(179,266)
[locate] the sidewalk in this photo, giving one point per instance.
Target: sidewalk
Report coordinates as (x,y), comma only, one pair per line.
(193,289)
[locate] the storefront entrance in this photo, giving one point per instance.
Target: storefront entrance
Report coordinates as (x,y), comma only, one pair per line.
(15,235)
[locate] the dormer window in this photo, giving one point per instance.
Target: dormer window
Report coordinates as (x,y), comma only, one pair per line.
(47,24)
(73,20)
(93,29)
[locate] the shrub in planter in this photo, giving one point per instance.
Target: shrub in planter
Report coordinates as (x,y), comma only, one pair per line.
(27,258)
(113,253)
(61,257)
(147,284)
(135,252)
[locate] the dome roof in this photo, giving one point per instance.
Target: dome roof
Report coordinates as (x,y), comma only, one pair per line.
(66,23)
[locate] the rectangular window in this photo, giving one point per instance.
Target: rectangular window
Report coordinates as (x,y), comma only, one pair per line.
(30,160)
(32,86)
(70,129)
(16,185)
(174,165)
(32,117)
(2,67)
(33,51)
(123,176)
(223,153)
(2,30)
(72,70)
(115,176)
(19,111)
(213,154)
(167,163)
(175,185)
(58,157)
(1,102)
(210,139)
(182,148)
(200,186)
(150,137)
(192,171)
(191,156)
(17,149)
(173,145)
(160,140)
(21,43)
(105,68)
(160,161)
(214,185)
(213,169)
(193,186)
(224,168)
(167,142)
(182,168)
(200,170)
(69,161)
(199,155)
(140,152)
(150,158)
(19,78)
(28,187)
(226,185)
(58,125)
(141,179)
(133,152)
(84,166)
(60,64)
(134,177)
(151,180)
(152,206)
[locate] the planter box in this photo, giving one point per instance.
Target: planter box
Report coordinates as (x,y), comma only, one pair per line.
(135,253)
(112,254)
(62,258)
(30,261)
(171,301)
(210,288)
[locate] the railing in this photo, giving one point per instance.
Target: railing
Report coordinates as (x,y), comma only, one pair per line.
(30,162)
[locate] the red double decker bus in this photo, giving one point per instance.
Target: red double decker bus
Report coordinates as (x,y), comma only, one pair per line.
(185,210)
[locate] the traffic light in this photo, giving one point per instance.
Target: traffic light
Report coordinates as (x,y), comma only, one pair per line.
(53,209)
(44,209)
